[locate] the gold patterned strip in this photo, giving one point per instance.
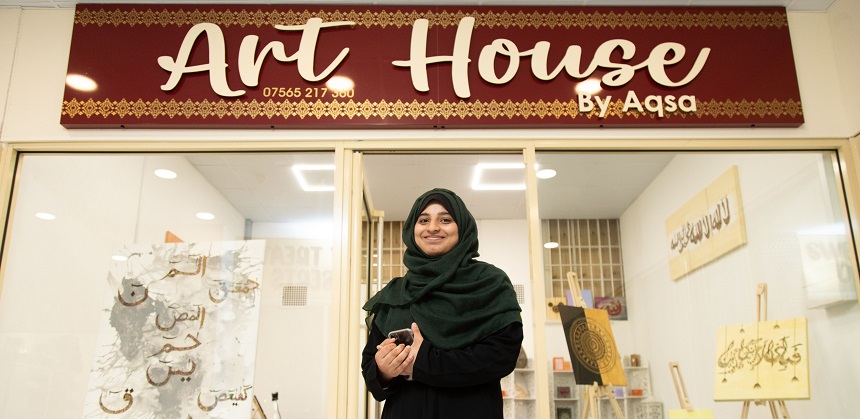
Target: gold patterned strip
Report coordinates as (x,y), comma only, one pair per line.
(319,110)
(522,19)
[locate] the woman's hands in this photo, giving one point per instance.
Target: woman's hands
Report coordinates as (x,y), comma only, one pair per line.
(394,360)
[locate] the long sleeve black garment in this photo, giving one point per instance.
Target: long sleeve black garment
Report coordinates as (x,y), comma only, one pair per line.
(447,384)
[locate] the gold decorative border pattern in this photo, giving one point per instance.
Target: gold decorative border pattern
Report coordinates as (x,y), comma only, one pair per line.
(302,109)
(367,18)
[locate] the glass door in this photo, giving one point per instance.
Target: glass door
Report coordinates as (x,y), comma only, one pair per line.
(493,189)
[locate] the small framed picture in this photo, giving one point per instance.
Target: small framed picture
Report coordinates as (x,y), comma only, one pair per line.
(563,392)
(563,413)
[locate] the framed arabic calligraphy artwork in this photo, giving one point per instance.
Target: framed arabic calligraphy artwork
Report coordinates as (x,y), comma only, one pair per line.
(766,360)
(178,333)
(707,227)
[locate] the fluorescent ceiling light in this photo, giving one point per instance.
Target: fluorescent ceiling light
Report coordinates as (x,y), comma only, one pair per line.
(45,216)
(299,171)
(165,174)
(205,216)
(550,245)
(480,168)
(119,258)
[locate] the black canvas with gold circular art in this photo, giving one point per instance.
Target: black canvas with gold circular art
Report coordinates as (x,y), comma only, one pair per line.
(593,346)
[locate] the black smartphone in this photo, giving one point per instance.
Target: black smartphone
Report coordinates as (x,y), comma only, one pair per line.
(402,336)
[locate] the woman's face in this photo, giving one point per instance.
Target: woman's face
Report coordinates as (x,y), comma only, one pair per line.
(435,231)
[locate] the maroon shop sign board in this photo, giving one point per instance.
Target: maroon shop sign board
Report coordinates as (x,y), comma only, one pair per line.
(297,66)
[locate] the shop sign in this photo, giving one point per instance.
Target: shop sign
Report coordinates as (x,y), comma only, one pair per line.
(294,66)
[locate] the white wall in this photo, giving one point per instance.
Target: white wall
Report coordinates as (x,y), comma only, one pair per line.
(56,272)
(505,243)
(41,56)
(8,39)
(783,194)
(844,21)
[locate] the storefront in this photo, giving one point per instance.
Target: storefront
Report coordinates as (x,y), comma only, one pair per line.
(297,211)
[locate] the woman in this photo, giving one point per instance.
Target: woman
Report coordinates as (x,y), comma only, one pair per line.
(463,314)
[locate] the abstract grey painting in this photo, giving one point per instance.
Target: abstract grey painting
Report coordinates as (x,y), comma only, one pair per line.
(179,332)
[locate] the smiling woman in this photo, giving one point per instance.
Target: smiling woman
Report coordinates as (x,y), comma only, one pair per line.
(463,313)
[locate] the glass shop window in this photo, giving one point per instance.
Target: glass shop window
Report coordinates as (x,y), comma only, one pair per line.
(178,285)
(713,249)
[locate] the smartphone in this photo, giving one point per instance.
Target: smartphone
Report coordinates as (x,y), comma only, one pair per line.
(402,336)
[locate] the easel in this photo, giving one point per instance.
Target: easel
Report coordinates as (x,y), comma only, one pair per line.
(681,390)
(594,391)
(761,315)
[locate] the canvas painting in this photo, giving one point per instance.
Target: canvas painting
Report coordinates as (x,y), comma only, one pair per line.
(766,360)
(179,332)
(707,226)
(591,344)
(615,306)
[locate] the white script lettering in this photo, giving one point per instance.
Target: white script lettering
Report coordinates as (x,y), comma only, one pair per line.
(250,63)
(660,104)
(621,74)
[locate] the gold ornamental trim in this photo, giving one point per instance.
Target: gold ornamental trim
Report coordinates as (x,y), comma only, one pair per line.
(367,18)
(157,110)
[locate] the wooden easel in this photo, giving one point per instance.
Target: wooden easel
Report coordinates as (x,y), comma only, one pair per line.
(761,315)
(594,391)
(687,411)
(680,388)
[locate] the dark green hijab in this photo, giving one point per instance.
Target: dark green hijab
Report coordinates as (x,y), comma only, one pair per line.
(455,299)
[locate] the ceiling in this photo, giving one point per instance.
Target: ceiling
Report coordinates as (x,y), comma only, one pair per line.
(264,188)
(793,5)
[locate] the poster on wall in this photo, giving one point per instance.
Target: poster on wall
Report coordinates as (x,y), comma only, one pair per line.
(178,332)
(615,306)
(707,227)
(767,360)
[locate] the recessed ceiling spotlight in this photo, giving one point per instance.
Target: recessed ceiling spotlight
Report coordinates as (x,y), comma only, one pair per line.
(80,82)
(550,245)
(479,185)
(45,216)
(588,87)
(340,83)
(545,174)
(205,216)
(165,174)
(300,169)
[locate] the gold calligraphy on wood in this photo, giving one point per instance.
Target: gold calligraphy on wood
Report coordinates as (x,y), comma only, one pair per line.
(766,360)
(707,227)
